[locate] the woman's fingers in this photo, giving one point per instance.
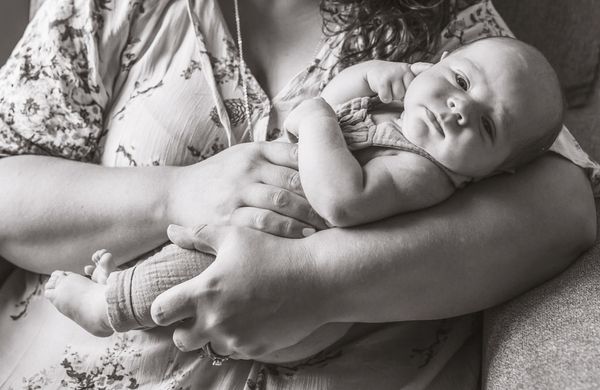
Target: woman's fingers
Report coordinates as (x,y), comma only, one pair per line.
(280,153)
(175,304)
(281,177)
(203,238)
(283,202)
(270,222)
(185,336)
(419,67)
(188,238)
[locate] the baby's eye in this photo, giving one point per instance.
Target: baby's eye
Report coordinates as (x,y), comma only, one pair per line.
(461,81)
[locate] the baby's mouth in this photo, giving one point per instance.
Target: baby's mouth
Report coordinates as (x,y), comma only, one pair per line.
(434,121)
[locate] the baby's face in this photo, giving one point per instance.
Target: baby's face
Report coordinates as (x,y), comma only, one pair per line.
(470,110)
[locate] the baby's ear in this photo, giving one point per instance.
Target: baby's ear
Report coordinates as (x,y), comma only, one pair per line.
(419,67)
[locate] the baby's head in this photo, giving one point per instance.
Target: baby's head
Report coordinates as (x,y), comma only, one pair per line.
(488,107)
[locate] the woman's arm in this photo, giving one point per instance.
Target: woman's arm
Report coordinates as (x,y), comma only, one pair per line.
(486,244)
(56,213)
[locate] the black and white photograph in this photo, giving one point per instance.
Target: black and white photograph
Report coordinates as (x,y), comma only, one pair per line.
(299,194)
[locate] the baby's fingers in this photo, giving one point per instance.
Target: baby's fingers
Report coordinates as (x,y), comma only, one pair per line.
(407,79)
(398,90)
(385,92)
(419,67)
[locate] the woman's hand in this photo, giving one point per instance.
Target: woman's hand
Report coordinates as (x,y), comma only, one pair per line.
(258,296)
(255,185)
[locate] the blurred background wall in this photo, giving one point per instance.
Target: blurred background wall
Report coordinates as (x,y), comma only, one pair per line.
(14,15)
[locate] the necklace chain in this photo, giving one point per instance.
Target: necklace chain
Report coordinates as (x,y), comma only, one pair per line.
(242,71)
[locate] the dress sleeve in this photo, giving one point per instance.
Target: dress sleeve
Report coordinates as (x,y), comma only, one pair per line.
(481,20)
(58,81)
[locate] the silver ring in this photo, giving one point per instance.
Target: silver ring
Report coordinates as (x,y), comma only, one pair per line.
(217,359)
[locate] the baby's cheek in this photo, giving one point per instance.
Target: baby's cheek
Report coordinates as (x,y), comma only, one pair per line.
(451,156)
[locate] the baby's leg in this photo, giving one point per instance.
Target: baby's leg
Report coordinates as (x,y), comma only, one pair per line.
(120,300)
(123,303)
(82,299)
(130,293)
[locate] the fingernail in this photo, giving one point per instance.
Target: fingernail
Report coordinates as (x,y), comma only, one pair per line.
(179,344)
(308,231)
(174,229)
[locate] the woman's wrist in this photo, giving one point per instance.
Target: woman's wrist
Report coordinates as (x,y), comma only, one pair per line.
(168,202)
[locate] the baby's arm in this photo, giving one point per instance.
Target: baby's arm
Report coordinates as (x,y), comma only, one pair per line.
(346,193)
(387,79)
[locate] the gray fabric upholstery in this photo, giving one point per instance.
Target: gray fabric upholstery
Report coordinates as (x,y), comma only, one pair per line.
(567,32)
(549,338)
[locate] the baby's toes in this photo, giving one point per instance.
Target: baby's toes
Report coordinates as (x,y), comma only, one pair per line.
(89,270)
(104,266)
(99,275)
(97,255)
(53,283)
(107,263)
(54,279)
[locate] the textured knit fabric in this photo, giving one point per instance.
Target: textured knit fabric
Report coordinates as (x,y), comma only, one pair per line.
(130,292)
(141,83)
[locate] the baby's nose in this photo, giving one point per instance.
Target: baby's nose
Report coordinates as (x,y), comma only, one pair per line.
(460,110)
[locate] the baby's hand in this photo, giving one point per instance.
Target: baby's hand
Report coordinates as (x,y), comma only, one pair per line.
(389,80)
(309,109)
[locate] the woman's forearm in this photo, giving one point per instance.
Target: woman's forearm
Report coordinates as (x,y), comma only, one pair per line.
(56,213)
(486,244)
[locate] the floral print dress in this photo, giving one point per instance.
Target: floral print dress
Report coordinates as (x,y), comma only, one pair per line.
(149,82)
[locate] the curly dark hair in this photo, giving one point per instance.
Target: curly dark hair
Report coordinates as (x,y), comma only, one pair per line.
(393,30)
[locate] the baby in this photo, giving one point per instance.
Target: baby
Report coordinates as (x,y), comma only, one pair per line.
(426,131)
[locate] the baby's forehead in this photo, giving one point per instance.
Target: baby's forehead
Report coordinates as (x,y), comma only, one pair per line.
(494,45)
(502,62)
(514,56)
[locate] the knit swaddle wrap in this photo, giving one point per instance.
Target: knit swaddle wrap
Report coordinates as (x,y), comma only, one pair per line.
(130,292)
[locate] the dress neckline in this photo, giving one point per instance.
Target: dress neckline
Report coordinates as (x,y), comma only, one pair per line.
(296,80)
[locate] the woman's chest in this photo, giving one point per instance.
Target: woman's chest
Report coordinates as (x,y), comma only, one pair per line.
(168,107)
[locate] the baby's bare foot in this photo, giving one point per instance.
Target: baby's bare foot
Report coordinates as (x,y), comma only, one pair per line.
(103,266)
(80,299)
